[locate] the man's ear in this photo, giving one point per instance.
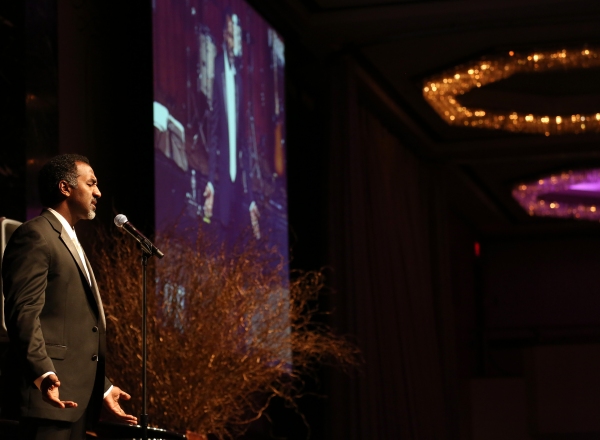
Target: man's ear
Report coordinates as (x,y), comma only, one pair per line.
(64,188)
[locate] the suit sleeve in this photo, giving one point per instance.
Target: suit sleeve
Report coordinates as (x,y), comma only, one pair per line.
(213,124)
(107,384)
(246,160)
(25,270)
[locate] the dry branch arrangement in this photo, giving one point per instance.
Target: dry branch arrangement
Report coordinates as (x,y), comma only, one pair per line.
(224,337)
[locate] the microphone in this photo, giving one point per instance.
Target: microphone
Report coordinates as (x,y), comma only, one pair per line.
(122,222)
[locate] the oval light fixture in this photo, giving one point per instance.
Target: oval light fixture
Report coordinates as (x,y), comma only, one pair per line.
(571,194)
(442,91)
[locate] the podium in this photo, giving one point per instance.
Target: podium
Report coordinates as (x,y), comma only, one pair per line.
(104,431)
(127,432)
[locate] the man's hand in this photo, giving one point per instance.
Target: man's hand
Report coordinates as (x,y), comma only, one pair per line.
(111,409)
(49,389)
(254,216)
(209,194)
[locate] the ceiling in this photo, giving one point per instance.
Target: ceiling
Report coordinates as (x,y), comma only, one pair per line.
(399,43)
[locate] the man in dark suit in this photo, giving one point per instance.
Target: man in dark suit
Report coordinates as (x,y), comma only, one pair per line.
(54,315)
(228,193)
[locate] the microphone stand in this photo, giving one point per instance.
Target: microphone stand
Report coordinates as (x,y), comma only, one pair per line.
(148,250)
(146,254)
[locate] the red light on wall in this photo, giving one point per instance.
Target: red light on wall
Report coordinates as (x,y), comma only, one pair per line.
(477,249)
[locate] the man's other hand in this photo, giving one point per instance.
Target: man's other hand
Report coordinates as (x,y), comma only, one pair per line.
(111,410)
(254,216)
(49,388)
(209,194)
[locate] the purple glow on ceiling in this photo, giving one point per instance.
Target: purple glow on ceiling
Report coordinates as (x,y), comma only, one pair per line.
(587,186)
(570,194)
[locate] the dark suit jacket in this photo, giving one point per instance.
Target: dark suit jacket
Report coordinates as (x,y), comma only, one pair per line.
(55,321)
(227,192)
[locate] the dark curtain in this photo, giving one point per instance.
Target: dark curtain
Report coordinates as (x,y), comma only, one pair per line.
(386,235)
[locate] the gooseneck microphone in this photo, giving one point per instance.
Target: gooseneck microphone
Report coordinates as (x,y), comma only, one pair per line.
(122,222)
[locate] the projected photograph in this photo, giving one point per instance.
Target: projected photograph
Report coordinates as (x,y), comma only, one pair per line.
(219,115)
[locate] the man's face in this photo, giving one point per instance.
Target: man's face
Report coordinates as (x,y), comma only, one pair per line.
(82,200)
(228,35)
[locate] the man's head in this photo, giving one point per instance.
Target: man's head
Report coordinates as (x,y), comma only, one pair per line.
(229,19)
(67,183)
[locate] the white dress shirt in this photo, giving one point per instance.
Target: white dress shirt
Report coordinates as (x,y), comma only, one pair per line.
(230,97)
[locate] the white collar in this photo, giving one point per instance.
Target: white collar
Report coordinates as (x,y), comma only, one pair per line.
(70,229)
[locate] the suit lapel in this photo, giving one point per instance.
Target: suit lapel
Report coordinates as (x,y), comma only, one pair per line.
(224,88)
(64,237)
(238,84)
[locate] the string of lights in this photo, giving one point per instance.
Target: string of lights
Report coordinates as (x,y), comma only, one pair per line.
(443,92)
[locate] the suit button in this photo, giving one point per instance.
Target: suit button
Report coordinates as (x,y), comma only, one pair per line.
(95,329)
(95,357)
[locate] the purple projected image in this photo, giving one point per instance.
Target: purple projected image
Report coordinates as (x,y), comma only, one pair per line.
(220,135)
(219,121)
(574,194)
(219,128)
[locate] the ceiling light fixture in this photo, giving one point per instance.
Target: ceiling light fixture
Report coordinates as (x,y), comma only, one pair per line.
(570,194)
(442,91)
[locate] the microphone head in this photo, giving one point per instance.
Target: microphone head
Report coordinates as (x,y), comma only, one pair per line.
(120,220)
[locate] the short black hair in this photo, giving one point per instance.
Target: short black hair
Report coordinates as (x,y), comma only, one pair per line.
(62,167)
